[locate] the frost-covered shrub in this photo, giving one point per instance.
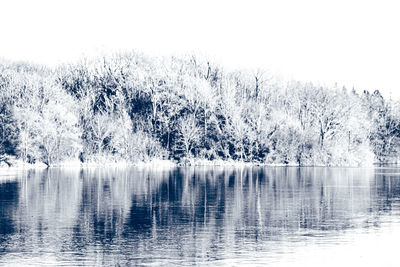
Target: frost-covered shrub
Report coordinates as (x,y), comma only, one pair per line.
(142,147)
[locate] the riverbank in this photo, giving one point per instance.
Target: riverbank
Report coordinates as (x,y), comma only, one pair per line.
(18,165)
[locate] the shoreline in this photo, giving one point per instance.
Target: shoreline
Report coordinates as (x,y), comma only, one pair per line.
(162,164)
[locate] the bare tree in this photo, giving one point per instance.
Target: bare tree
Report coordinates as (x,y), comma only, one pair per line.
(189,131)
(101,127)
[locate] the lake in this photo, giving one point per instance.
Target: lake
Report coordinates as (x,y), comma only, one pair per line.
(262,216)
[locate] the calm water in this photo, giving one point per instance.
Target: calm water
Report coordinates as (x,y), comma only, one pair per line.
(207,216)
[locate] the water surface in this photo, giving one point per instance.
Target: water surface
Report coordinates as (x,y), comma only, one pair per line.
(204,215)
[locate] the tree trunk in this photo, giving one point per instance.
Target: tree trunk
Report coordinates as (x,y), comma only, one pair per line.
(205,123)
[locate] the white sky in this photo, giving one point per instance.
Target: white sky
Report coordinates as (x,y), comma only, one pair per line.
(349,42)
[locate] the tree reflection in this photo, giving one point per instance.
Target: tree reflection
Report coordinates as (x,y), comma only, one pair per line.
(114,216)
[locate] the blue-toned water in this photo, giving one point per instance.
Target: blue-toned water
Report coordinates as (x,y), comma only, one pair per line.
(263,216)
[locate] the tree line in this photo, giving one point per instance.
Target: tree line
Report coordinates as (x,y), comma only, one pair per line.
(136,108)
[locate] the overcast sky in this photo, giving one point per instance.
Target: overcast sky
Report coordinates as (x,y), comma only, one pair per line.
(355,43)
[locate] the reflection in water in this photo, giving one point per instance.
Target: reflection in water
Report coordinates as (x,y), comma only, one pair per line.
(186,215)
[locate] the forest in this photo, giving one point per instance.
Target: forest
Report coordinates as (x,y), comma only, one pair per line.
(130,107)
